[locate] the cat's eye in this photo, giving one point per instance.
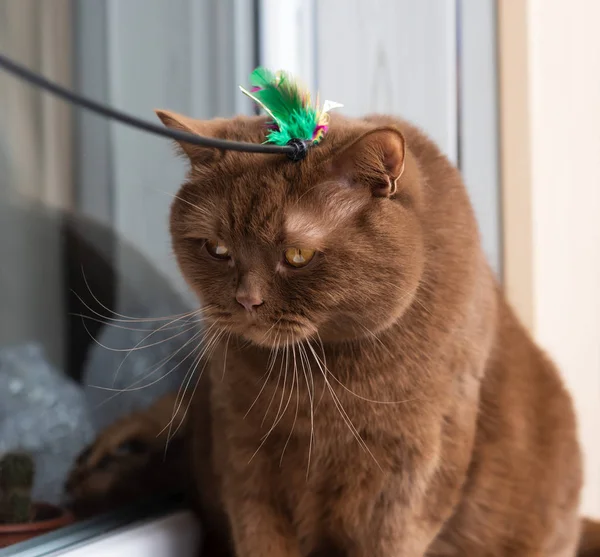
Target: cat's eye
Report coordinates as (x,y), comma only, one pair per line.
(217,249)
(298,257)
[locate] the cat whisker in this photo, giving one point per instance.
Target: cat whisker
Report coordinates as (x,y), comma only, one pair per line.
(295,379)
(285,363)
(225,356)
(325,364)
(181,392)
(269,330)
(220,335)
(373,335)
(273,352)
(123,327)
(330,374)
(307,372)
(288,361)
(280,413)
(159,365)
(139,347)
(179,400)
(270,367)
(193,339)
(188,376)
(125,317)
(185,317)
(276,386)
(342,411)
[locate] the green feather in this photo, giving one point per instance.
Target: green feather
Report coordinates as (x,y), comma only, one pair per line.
(262,77)
(289,107)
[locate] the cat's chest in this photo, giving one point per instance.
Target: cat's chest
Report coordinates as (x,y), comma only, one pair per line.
(339,478)
(305,412)
(323,441)
(292,392)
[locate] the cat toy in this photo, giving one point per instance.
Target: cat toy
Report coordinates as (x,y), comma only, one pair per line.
(294,120)
(296,124)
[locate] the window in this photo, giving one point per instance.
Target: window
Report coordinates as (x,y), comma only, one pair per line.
(86,273)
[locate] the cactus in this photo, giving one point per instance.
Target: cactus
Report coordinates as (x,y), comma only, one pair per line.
(16,480)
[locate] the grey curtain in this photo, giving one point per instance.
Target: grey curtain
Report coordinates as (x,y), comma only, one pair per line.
(35,167)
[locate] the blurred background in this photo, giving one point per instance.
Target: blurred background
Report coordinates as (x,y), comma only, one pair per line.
(509,89)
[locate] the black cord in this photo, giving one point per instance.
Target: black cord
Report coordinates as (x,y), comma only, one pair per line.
(296,150)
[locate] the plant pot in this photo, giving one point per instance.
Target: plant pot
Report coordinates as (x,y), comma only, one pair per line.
(46,518)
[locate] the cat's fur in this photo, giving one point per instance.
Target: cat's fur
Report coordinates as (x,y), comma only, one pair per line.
(408,412)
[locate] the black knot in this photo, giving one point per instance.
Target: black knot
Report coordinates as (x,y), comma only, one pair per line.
(300,149)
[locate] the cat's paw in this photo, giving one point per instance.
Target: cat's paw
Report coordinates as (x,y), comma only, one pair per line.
(127,461)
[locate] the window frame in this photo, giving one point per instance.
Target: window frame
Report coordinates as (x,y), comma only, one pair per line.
(161,522)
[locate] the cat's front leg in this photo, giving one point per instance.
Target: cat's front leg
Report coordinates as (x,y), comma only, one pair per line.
(400,534)
(258,525)
(399,514)
(258,528)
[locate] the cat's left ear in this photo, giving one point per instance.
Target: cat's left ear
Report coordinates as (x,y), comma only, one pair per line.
(210,128)
(376,159)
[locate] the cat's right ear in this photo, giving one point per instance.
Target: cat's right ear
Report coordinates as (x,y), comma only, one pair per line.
(375,159)
(208,128)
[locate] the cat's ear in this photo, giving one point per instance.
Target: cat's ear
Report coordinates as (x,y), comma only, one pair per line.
(208,128)
(376,159)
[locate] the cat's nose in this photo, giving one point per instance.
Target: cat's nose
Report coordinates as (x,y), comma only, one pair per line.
(249,300)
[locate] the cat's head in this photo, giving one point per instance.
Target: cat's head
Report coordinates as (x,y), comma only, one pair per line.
(279,251)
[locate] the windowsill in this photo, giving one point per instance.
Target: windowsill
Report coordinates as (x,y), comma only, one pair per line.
(174,535)
(161,526)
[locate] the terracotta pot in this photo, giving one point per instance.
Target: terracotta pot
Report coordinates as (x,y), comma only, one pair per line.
(47,518)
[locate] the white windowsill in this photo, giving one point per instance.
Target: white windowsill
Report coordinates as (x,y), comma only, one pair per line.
(173,535)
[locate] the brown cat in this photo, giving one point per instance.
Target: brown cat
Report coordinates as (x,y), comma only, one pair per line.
(369,391)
